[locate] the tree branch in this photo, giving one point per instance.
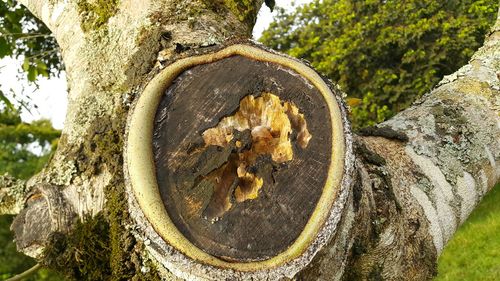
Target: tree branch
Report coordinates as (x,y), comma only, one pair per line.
(35,6)
(26,274)
(421,174)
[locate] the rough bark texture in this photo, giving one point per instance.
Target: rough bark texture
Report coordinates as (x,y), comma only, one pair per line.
(12,194)
(418,175)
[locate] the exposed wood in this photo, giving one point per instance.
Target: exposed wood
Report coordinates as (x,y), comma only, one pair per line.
(46,212)
(254,229)
(200,181)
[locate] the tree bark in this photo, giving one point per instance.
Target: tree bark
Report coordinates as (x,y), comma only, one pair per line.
(416,177)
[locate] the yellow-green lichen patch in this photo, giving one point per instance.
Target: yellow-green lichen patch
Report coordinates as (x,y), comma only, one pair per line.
(244,10)
(95,14)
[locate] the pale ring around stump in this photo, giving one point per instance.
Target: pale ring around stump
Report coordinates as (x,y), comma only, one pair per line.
(140,163)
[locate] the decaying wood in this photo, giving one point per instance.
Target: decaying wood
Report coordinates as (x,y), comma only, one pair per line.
(417,176)
(268,224)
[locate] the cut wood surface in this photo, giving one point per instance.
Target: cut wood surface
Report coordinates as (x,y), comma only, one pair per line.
(188,169)
(249,155)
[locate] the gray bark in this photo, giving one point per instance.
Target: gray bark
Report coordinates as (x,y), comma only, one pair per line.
(417,176)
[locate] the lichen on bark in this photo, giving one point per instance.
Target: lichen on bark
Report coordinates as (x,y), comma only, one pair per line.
(245,10)
(12,193)
(95,14)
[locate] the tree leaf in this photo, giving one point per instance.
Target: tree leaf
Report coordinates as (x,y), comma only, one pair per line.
(6,100)
(32,73)
(270,4)
(5,48)
(41,68)
(26,64)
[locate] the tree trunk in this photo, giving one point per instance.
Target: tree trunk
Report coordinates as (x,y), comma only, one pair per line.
(398,191)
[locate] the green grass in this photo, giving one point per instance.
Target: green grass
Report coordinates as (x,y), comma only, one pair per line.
(474,251)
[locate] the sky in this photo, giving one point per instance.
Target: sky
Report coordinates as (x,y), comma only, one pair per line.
(50,96)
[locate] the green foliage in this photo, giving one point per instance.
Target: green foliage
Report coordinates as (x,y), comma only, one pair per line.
(5,100)
(367,111)
(385,52)
(18,140)
(25,37)
(473,253)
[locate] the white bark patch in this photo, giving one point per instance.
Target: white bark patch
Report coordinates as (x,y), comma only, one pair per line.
(57,11)
(493,163)
(490,156)
(446,215)
(45,13)
(35,251)
(432,172)
(483,180)
(463,71)
(88,197)
(431,215)
(387,238)
(466,188)
(51,12)
(442,193)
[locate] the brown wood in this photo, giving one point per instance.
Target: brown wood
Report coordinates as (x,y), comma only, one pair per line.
(198,181)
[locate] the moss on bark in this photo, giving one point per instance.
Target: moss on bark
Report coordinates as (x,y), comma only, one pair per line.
(245,10)
(82,255)
(95,14)
(101,247)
